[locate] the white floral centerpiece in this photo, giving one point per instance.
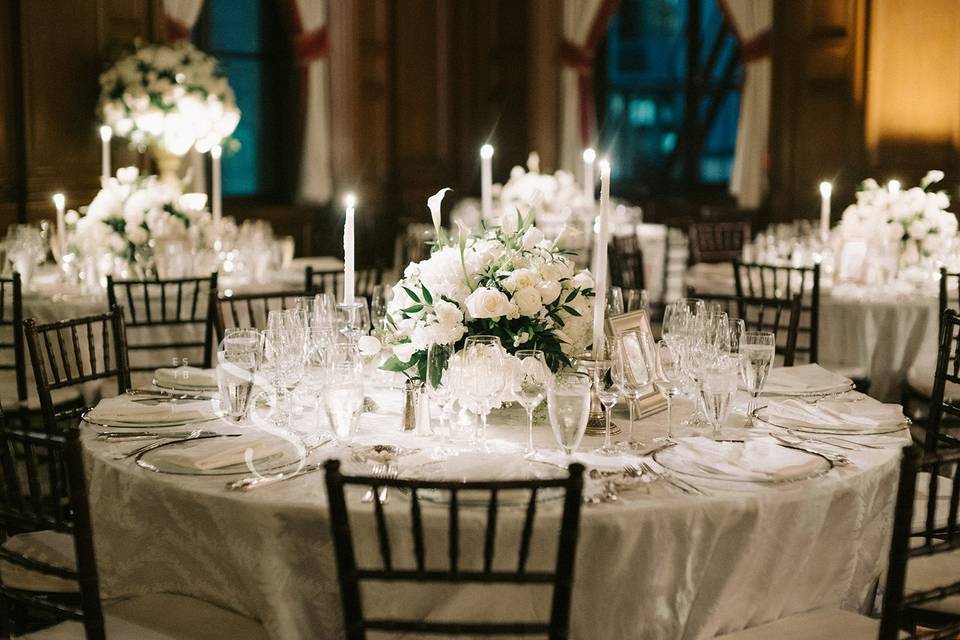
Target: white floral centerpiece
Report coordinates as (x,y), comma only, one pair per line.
(915,220)
(170,97)
(557,193)
(131,212)
(508,281)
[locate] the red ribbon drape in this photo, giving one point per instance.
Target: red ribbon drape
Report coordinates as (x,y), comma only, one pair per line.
(175,29)
(312,46)
(580,59)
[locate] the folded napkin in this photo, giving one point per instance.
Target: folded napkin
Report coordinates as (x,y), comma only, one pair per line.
(757,460)
(804,379)
(187,378)
(217,453)
(834,414)
(124,409)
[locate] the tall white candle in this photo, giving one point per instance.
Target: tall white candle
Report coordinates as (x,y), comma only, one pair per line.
(826,189)
(216,196)
(106,133)
(61,203)
(589,157)
(600,277)
(486,180)
(349,273)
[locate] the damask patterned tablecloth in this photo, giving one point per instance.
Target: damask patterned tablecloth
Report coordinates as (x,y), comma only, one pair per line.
(882,331)
(654,565)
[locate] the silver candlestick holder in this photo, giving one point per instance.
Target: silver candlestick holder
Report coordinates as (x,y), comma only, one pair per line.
(596,423)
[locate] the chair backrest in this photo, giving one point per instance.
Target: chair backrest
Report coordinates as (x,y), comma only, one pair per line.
(769,281)
(949,291)
(351,575)
(168,321)
(717,241)
(332,282)
(250,310)
(74,352)
(948,370)
(626,262)
(939,533)
(11,334)
(43,487)
(778,315)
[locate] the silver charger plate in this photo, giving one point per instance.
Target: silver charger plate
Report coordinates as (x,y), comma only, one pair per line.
(456,469)
(118,424)
(153,459)
(812,394)
(761,415)
(675,459)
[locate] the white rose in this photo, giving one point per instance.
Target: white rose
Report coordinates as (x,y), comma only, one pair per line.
(917,229)
(368,346)
(532,238)
(137,235)
(404,351)
(521,279)
(486,302)
(583,280)
(528,301)
(127,175)
(448,315)
(932,244)
(895,231)
(549,290)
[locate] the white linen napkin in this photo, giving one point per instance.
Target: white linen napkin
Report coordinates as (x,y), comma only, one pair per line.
(834,414)
(124,409)
(804,379)
(187,378)
(216,453)
(759,460)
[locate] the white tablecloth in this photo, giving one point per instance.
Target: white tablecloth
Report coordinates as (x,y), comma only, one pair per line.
(879,331)
(663,565)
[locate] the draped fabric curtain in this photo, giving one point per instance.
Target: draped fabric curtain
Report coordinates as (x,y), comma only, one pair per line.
(751,21)
(584,25)
(312,47)
(180,16)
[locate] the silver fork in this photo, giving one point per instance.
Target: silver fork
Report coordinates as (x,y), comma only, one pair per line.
(683,485)
(155,445)
(393,471)
(380,471)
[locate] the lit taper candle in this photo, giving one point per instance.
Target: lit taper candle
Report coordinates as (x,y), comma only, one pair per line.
(589,157)
(106,133)
(349,270)
(893,186)
(826,190)
(216,197)
(61,204)
(600,262)
(486,180)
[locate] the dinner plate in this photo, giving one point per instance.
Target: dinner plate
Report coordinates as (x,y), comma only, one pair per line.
(832,391)
(762,415)
(157,459)
(120,424)
(457,469)
(186,389)
(699,464)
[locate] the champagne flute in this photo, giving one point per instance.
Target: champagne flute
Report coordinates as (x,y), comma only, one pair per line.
(668,379)
(440,389)
(606,382)
(757,350)
(531,387)
(568,405)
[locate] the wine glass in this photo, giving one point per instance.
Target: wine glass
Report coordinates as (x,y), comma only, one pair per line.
(737,328)
(668,378)
(531,387)
(633,352)
(614,301)
(318,310)
(343,400)
(717,388)
(757,350)
(379,300)
(635,300)
(568,405)
(353,318)
(317,365)
(482,377)
(440,389)
(606,383)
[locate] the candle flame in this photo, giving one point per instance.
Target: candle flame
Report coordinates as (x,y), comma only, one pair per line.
(59,201)
(486,152)
(106,132)
(604,167)
(589,155)
(826,188)
(216,151)
(350,200)
(893,186)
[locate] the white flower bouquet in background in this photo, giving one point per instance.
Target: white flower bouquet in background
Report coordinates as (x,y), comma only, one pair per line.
(915,221)
(173,97)
(508,281)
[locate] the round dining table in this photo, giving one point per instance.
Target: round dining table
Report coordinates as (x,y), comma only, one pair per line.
(656,562)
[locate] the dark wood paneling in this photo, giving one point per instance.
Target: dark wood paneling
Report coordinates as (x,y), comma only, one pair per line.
(10,145)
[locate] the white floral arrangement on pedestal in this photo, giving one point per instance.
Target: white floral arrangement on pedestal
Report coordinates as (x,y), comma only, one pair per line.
(508,281)
(173,97)
(131,212)
(558,193)
(916,219)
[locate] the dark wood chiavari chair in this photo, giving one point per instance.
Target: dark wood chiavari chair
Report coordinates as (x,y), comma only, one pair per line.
(11,345)
(179,309)
(923,576)
(332,281)
(250,310)
(351,575)
(71,353)
(717,241)
(626,262)
(778,315)
(947,372)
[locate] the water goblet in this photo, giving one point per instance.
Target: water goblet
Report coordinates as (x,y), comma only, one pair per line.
(568,405)
(757,351)
(482,377)
(717,388)
(235,374)
(343,401)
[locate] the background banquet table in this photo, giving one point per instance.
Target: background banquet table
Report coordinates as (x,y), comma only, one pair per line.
(883,331)
(657,565)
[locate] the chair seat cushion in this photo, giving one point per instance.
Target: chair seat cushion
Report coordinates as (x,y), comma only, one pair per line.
(51,547)
(813,625)
(163,616)
(929,572)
